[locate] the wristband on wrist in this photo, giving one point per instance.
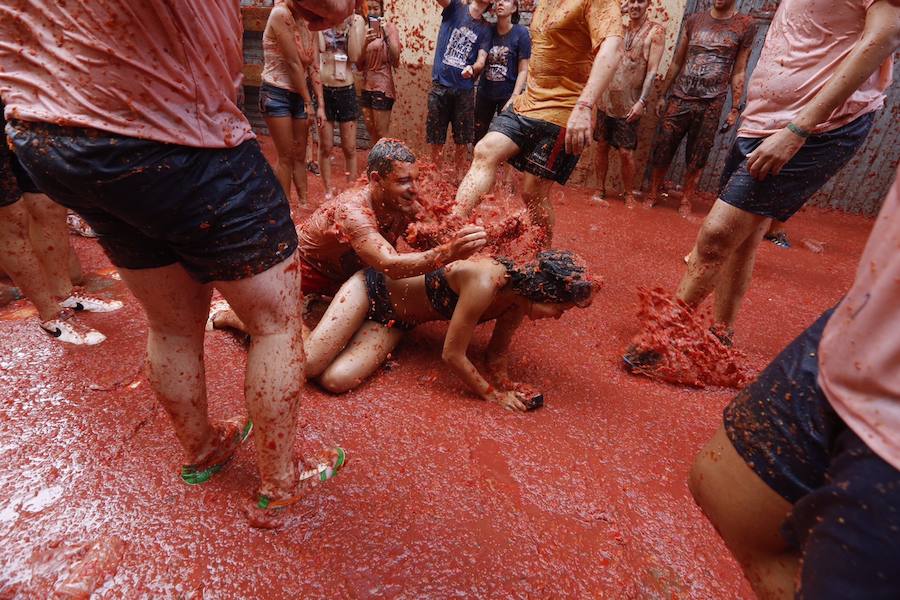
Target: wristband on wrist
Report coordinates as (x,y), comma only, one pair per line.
(798,131)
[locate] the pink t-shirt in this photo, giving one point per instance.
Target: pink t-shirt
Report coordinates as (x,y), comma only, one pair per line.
(377,70)
(806,42)
(859,356)
(164,70)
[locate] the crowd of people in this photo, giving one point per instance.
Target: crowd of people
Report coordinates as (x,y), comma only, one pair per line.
(153,152)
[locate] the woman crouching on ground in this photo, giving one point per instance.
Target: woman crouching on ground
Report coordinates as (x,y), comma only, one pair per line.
(370,314)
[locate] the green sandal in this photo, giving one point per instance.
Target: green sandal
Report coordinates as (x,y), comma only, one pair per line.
(192,475)
(321,472)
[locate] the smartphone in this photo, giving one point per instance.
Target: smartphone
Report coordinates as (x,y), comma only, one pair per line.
(534,403)
(375,25)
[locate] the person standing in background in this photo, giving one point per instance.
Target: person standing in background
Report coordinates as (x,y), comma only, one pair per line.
(380,58)
(339,48)
(504,75)
(284,98)
(461,51)
(576,45)
(712,52)
(626,100)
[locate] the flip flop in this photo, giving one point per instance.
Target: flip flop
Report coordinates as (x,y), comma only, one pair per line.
(193,475)
(319,473)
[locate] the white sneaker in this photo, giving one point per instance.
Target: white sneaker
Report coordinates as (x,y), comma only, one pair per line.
(67,329)
(217,308)
(78,226)
(90,304)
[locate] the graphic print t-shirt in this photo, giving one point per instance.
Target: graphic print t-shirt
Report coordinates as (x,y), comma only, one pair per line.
(713,46)
(502,67)
(459,40)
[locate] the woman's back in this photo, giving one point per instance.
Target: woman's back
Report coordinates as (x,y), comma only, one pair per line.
(415,301)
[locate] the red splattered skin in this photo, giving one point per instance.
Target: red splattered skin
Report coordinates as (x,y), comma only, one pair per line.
(588,493)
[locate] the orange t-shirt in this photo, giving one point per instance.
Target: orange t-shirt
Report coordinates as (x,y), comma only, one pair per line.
(806,42)
(160,70)
(859,355)
(565,37)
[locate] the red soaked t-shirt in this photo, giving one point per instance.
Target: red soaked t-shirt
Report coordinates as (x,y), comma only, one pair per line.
(162,70)
(713,46)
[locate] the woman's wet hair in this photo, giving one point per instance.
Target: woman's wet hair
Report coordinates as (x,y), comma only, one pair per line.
(555,277)
(384,153)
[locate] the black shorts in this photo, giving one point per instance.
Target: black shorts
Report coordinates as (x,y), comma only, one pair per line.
(381,309)
(340,103)
(699,120)
(279,102)
(846,499)
(376,100)
(618,133)
(780,196)
(448,106)
(219,212)
(542,146)
(14,180)
(485,111)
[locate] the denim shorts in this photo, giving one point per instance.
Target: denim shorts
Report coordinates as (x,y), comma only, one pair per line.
(780,196)
(845,518)
(279,102)
(219,212)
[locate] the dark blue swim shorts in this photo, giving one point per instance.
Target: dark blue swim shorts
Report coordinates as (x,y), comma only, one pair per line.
(845,519)
(219,212)
(780,196)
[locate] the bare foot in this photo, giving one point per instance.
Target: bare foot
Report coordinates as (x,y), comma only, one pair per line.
(684,209)
(630,201)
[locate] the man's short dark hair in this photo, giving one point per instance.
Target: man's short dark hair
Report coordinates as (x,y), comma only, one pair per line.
(384,153)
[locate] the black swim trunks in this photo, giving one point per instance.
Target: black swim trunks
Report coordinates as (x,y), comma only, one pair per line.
(542,146)
(381,309)
(449,106)
(845,519)
(440,295)
(618,133)
(341,105)
(218,212)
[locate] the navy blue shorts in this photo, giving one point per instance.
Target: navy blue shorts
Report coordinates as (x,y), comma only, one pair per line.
(542,146)
(780,196)
(219,212)
(845,518)
(279,102)
(14,180)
